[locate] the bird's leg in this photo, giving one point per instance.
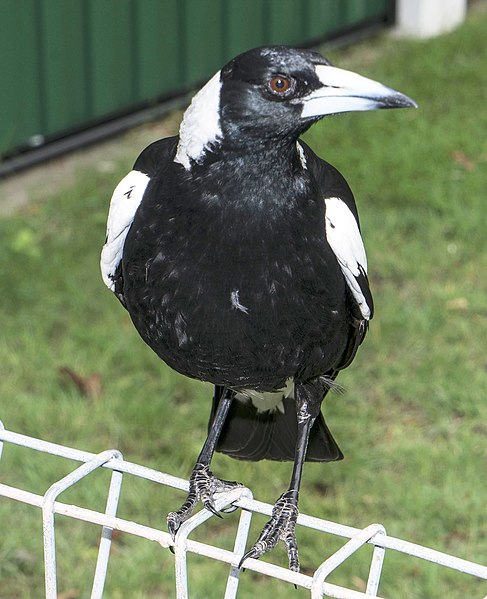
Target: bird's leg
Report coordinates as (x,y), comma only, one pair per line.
(202,483)
(282,524)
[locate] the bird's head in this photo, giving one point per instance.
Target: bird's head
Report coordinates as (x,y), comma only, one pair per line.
(273,94)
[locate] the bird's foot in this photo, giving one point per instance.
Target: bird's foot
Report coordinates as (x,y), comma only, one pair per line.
(203,484)
(280,527)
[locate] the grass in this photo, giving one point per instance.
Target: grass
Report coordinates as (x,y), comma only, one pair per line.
(412,423)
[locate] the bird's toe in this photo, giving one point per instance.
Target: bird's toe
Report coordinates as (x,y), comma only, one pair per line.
(174,521)
(281,526)
(292,552)
(203,484)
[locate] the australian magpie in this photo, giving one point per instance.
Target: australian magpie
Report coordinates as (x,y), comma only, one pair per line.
(237,253)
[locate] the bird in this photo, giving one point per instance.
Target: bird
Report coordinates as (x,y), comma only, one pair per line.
(237,253)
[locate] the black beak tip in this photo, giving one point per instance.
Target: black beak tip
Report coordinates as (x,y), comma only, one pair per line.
(399,100)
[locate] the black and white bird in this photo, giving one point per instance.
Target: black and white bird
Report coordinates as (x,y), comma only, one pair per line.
(237,253)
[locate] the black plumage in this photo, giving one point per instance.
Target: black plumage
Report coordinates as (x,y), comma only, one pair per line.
(237,253)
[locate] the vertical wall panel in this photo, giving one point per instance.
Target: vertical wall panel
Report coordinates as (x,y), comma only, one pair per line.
(378,8)
(203,40)
(160,61)
(324,18)
(114,78)
(245,26)
(20,104)
(358,10)
(63,54)
(286,22)
(355,9)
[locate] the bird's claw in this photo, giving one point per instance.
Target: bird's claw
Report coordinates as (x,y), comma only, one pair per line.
(211,508)
(229,509)
(256,551)
(203,484)
(174,521)
(281,526)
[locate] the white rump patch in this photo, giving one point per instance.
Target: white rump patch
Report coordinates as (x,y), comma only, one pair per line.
(123,206)
(267,401)
(200,126)
(344,237)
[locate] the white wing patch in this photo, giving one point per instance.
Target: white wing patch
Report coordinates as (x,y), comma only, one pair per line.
(123,206)
(344,237)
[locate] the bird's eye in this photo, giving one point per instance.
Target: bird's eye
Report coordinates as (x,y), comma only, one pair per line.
(279,84)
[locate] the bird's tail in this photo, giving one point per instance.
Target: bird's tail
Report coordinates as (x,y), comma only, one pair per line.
(249,434)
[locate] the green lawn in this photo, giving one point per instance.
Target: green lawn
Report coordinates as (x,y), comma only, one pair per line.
(412,424)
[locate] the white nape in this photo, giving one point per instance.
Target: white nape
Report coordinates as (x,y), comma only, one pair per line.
(200,126)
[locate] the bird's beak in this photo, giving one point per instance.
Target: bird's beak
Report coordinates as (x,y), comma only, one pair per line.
(345,91)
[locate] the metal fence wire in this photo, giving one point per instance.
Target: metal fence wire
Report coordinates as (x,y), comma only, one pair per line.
(317,584)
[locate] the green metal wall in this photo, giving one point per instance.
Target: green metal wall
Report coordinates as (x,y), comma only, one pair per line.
(67,64)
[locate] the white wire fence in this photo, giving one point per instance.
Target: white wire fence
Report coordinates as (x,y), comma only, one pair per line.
(316,583)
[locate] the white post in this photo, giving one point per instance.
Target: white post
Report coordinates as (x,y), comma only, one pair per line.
(428,18)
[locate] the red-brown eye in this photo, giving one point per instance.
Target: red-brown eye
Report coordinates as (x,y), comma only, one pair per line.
(279,84)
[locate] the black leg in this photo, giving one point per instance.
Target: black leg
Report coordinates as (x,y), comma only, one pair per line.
(202,483)
(216,426)
(282,524)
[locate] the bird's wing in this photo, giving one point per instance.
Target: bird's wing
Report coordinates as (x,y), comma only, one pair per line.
(342,229)
(343,235)
(124,204)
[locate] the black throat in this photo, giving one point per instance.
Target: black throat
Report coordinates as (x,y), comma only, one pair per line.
(259,179)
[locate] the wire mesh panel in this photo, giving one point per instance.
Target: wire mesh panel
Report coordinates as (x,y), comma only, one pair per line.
(316,583)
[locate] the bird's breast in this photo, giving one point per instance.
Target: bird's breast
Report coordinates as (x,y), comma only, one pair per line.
(234,296)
